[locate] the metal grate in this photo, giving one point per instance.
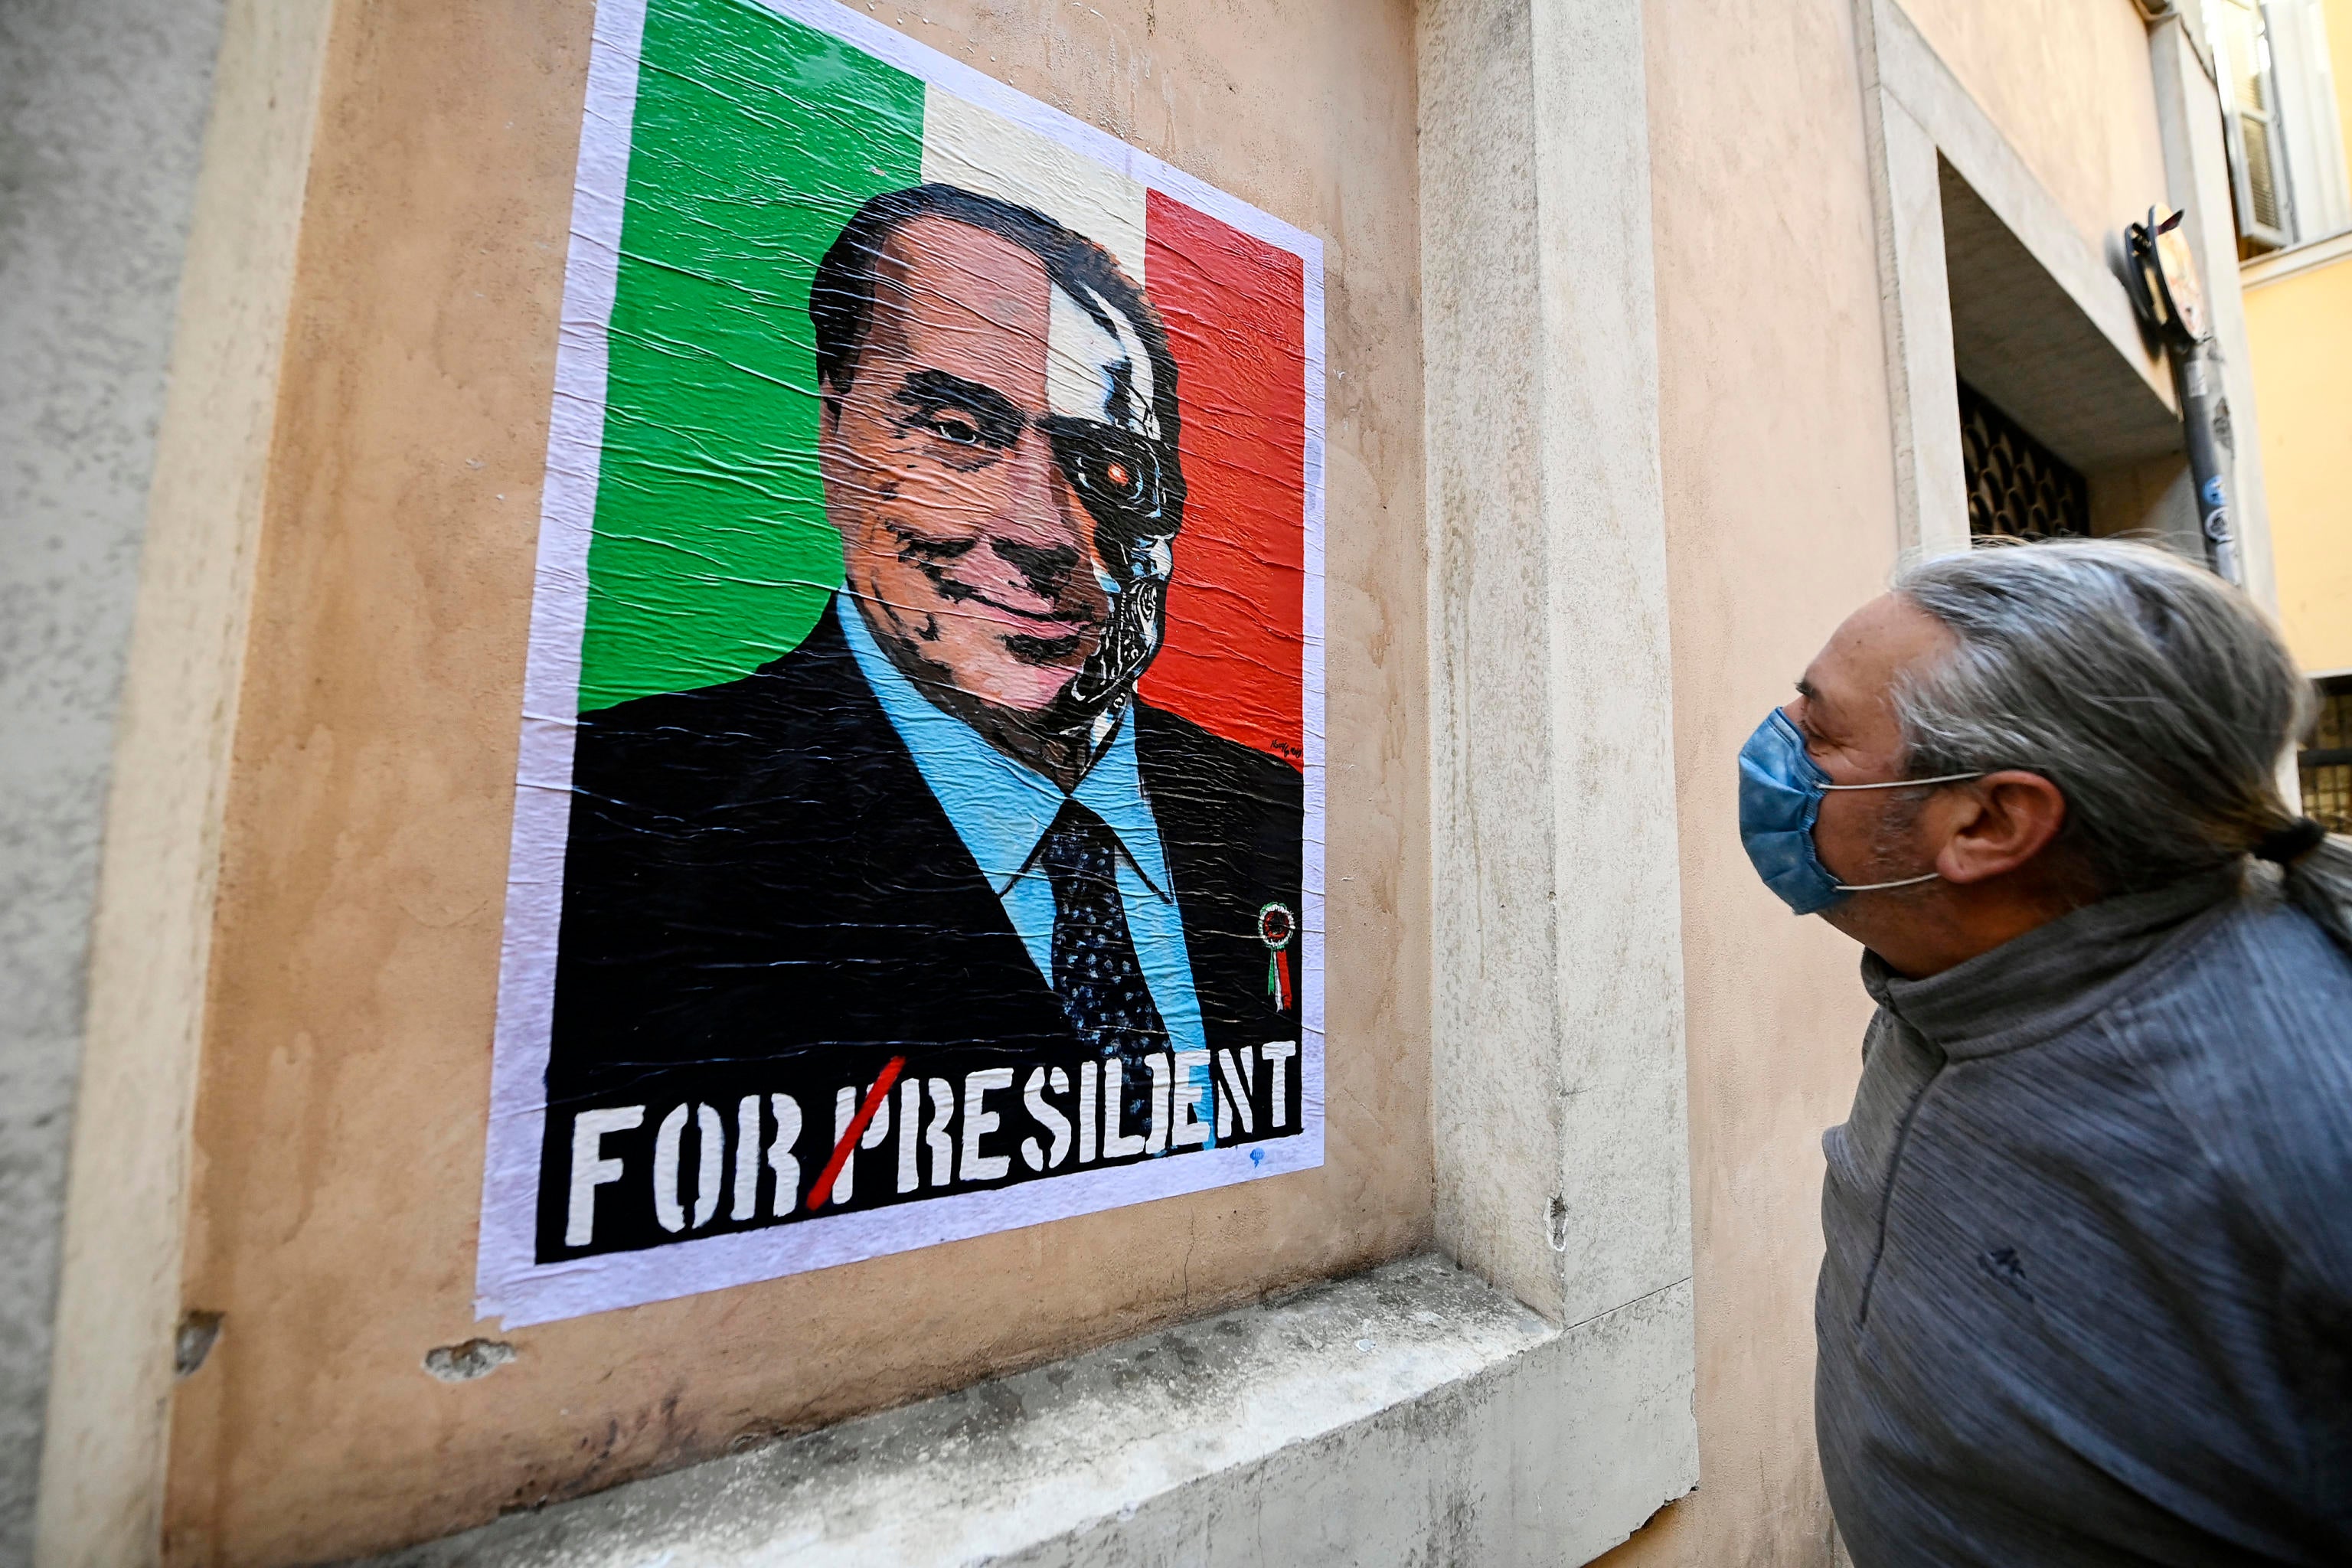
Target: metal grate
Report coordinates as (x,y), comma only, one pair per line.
(2017,487)
(2325,764)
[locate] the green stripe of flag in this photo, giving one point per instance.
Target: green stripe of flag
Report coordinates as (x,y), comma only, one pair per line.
(755,139)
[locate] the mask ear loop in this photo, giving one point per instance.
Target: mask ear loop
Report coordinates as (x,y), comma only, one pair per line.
(1876,886)
(1908,783)
(1896,784)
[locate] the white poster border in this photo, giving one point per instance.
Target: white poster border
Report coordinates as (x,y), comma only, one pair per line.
(509,1283)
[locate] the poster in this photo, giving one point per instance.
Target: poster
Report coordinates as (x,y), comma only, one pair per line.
(919,809)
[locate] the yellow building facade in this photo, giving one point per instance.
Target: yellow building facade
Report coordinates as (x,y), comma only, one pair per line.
(2299,313)
(2299,336)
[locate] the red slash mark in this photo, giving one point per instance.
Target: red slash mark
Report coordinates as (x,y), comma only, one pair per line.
(822,1192)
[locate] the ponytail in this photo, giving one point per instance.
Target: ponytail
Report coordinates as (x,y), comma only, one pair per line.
(2315,873)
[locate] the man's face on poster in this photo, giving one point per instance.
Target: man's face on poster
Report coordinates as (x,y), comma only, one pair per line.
(974,555)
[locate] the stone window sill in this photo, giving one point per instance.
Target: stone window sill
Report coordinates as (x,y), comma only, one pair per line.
(1411,1412)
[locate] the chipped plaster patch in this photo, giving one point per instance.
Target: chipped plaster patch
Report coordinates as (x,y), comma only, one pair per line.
(463,1362)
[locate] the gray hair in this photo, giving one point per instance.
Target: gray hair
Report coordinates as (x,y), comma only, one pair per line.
(2159,699)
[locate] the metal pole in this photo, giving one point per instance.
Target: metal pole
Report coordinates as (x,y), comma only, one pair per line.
(2200,393)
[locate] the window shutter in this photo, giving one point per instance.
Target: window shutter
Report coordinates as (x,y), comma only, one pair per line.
(2249,124)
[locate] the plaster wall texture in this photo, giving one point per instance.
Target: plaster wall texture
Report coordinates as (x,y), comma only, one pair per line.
(1780,518)
(2067,81)
(2299,329)
(341,1109)
(102,1457)
(102,104)
(1557,1038)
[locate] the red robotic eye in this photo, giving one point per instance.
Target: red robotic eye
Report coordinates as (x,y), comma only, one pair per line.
(1117,474)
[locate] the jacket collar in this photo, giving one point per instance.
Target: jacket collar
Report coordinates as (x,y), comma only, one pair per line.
(2036,985)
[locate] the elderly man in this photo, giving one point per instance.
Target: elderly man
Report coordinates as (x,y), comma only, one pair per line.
(2087,1297)
(944,836)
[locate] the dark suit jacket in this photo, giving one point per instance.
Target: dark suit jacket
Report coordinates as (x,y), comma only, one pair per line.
(761,892)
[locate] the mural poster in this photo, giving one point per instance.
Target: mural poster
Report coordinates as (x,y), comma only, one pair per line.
(920,811)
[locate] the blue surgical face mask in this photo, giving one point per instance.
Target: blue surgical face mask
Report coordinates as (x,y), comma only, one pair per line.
(1780,791)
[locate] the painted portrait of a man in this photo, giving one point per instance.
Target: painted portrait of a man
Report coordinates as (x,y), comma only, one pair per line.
(919,805)
(945,827)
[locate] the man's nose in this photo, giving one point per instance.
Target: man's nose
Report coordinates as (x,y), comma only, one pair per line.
(1044,568)
(1036,513)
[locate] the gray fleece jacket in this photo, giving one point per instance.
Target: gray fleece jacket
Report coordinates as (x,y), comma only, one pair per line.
(2087,1297)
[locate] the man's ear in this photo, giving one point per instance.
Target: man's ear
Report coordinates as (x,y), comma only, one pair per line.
(1997,824)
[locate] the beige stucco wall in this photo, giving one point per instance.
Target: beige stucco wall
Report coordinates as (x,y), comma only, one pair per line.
(2068,82)
(344,1083)
(1781,517)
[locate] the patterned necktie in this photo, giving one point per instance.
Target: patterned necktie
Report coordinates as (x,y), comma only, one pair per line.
(1095,973)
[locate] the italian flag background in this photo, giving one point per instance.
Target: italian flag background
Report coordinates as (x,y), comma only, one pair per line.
(755,137)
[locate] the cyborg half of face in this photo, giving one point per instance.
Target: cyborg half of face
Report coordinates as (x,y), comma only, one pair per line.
(1104,425)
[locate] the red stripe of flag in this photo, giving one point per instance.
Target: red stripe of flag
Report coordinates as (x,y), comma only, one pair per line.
(1234,307)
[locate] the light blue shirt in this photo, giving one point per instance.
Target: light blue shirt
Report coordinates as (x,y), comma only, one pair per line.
(1001,808)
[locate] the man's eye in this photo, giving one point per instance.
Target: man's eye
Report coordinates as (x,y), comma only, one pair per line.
(955,427)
